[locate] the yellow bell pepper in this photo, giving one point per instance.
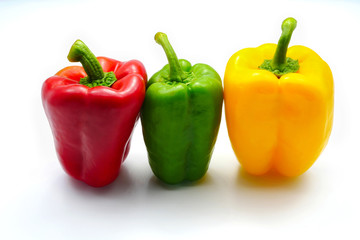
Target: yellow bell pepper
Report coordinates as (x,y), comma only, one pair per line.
(279,112)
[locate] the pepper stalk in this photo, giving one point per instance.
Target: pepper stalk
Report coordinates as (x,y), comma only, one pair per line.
(176,73)
(79,52)
(280,64)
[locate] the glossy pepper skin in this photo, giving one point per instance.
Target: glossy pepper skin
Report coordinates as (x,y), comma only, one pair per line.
(278,121)
(180,117)
(92,126)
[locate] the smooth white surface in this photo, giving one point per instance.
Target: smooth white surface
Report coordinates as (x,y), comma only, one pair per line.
(39,201)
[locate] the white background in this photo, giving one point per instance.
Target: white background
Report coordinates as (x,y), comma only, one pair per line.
(39,201)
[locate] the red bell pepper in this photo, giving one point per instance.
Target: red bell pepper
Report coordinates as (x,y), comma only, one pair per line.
(92,111)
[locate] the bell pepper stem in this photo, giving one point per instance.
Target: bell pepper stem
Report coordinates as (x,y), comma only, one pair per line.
(79,52)
(280,64)
(287,27)
(176,73)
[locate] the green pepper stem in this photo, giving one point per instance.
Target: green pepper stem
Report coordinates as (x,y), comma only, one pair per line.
(287,27)
(79,52)
(176,73)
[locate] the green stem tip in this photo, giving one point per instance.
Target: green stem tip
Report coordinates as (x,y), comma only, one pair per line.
(280,64)
(176,73)
(79,52)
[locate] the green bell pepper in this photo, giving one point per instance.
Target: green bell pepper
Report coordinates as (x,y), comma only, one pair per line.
(180,117)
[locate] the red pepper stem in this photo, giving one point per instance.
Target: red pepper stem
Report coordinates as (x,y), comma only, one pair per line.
(79,52)
(176,73)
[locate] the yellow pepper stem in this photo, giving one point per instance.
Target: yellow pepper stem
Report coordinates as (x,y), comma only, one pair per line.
(280,64)
(288,26)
